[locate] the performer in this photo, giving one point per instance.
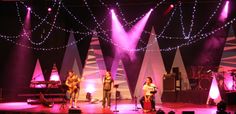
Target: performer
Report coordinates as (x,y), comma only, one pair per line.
(73,82)
(149,89)
(107,85)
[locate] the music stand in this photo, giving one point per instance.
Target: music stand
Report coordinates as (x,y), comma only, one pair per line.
(116,86)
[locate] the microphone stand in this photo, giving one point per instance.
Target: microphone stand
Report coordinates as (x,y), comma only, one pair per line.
(135,104)
(116,86)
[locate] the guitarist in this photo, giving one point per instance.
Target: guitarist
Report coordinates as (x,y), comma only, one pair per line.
(73,82)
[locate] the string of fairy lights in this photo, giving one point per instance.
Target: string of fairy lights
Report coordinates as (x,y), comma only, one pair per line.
(55,26)
(98,28)
(193,17)
(200,31)
(49,32)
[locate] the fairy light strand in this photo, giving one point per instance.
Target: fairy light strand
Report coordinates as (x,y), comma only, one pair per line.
(50,30)
(55,26)
(203,36)
(212,15)
(193,17)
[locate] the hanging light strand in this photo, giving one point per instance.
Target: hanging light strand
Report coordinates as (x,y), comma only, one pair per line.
(212,15)
(75,18)
(45,49)
(50,30)
(55,26)
(203,36)
(200,31)
(192,20)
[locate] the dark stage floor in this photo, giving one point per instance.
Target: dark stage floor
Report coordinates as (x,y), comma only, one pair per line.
(124,106)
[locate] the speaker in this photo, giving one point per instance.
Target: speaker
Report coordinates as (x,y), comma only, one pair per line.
(188,112)
(175,70)
(169,82)
(75,111)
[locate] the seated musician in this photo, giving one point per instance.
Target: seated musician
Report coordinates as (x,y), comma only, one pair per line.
(149,89)
(73,82)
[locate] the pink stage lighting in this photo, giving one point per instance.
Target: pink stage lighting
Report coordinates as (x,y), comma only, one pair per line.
(28,8)
(49,9)
(127,41)
(214,91)
(169,9)
(224,13)
(118,34)
(90,88)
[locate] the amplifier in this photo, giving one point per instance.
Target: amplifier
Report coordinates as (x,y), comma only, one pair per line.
(169,82)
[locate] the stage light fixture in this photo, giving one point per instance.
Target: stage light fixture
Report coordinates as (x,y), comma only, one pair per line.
(188,112)
(28,8)
(88,96)
(151,9)
(160,111)
(49,9)
(171,112)
(211,102)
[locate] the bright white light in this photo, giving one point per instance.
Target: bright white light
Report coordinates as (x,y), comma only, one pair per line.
(29,8)
(49,9)
(90,88)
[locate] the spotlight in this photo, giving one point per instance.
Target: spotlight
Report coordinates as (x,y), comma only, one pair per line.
(171,5)
(112,11)
(88,96)
(151,9)
(49,9)
(160,111)
(28,8)
(211,102)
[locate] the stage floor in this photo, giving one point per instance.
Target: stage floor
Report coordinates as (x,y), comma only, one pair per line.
(124,106)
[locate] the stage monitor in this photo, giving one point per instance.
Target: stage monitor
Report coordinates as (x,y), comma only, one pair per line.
(188,112)
(74,111)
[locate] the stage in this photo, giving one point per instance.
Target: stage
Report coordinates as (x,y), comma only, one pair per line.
(124,106)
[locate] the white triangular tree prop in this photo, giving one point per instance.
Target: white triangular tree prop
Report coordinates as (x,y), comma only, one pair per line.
(71,55)
(228,59)
(37,76)
(120,77)
(214,92)
(178,62)
(76,68)
(54,74)
(92,73)
(152,66)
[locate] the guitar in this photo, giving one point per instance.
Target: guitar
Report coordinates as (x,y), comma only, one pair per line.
(73,84)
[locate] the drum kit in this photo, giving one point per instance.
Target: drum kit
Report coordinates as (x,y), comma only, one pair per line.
(233,74)
(202,79)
